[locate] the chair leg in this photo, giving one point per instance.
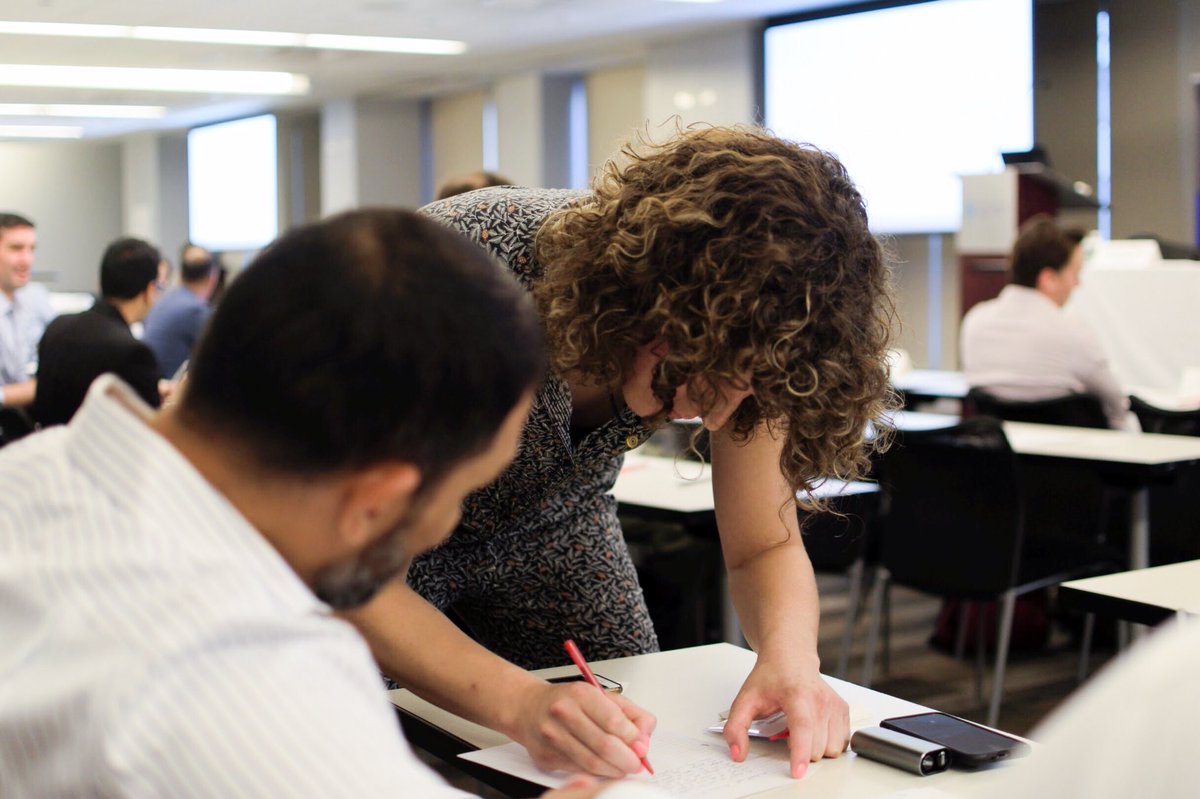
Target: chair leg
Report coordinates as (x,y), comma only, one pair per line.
(960,635)
(1085,648)
(1004,630)
(877,595)
(886,658)
(852,609)
(980,647)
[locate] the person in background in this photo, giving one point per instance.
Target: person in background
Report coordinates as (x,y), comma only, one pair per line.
(174,323)
(78,348)
(24,310)
(725,274)
(471,182)
(1023,346)
(169,578)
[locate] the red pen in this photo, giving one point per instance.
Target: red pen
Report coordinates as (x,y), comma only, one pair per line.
(586,671)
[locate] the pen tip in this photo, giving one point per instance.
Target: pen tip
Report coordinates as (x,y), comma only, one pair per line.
(646,763)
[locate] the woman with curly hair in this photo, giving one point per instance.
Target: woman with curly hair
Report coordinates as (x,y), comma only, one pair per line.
(725,274)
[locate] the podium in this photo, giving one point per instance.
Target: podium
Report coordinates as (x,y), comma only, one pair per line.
(994,208)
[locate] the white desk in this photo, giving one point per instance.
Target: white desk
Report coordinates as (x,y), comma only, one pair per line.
(682,489)
(1133,460)
(932,384)
(1146,596)
(686,688)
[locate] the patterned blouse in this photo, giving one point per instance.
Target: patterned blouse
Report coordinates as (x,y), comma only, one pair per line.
(539,555)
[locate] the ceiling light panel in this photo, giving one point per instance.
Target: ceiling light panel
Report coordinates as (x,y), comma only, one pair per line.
(88,111)
(317,41)
(209,81)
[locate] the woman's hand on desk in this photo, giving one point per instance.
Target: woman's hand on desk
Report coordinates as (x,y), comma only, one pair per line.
(818,719)
(574,727)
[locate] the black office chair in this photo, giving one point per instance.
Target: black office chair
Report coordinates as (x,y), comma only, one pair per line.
(839,541)
(1063,499)
(955,527)
(1076,410)
(1154,419)
(14,424)
(1174,507)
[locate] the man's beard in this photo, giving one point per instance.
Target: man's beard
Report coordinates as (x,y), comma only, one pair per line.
(353,582)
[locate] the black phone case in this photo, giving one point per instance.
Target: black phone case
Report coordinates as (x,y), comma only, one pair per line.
(971,744)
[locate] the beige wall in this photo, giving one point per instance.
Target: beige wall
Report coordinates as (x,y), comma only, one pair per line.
(457,130)
(615,99)
(72,192)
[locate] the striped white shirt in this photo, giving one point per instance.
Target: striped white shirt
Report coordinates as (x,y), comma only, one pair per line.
(152,643)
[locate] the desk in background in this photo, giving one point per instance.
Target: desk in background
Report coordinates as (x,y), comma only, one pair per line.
(927,385)
(1130,460)
(680,490)
(1145,596)
(685,689)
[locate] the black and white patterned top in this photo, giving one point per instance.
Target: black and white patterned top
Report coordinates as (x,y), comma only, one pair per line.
(539,555)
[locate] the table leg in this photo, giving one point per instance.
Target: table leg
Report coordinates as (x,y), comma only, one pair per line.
(1139,528)
(731,629)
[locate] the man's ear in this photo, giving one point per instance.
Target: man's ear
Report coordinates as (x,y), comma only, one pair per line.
(375,494)
(1046,280)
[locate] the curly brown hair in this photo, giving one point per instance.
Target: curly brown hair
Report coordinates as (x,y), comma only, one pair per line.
(750,256)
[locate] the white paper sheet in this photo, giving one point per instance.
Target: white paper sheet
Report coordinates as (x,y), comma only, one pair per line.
(683,766)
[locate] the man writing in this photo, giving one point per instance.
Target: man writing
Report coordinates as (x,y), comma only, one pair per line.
(169,579)
(24,310)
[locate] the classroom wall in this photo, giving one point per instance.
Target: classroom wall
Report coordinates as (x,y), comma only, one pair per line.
(457,133)
(353,154)
(616,110)
(72,192)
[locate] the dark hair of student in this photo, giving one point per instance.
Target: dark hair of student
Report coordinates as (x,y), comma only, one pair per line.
(9,220)
(128,266)
(471,182)
(372,336)
(1042,243)
(193,269)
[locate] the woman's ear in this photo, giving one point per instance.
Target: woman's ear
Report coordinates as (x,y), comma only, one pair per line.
(374,499)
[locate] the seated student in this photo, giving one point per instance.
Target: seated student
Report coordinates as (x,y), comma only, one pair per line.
(1023,346)
(78,348)
(174,323)
(1128,732)
(24,310)
(170,579)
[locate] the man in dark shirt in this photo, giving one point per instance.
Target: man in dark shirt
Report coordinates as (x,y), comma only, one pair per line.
(78,348)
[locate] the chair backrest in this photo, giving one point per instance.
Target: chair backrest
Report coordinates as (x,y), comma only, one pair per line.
(1154,419)
(836,538)
(1077,410)
(954,520)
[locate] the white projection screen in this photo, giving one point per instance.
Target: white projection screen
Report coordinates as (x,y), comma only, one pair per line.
(910,97)
(233,192)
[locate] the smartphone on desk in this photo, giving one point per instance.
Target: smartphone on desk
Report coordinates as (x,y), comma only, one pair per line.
(609,686)
(970,744)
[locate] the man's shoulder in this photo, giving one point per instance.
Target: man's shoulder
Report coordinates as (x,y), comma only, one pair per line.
(176,305)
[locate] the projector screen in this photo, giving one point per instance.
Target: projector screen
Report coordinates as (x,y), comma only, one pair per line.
(233,194)
(909,97)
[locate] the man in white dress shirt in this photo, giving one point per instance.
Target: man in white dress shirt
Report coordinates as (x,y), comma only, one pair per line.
(24,310)
(169,580)
(1023,346)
